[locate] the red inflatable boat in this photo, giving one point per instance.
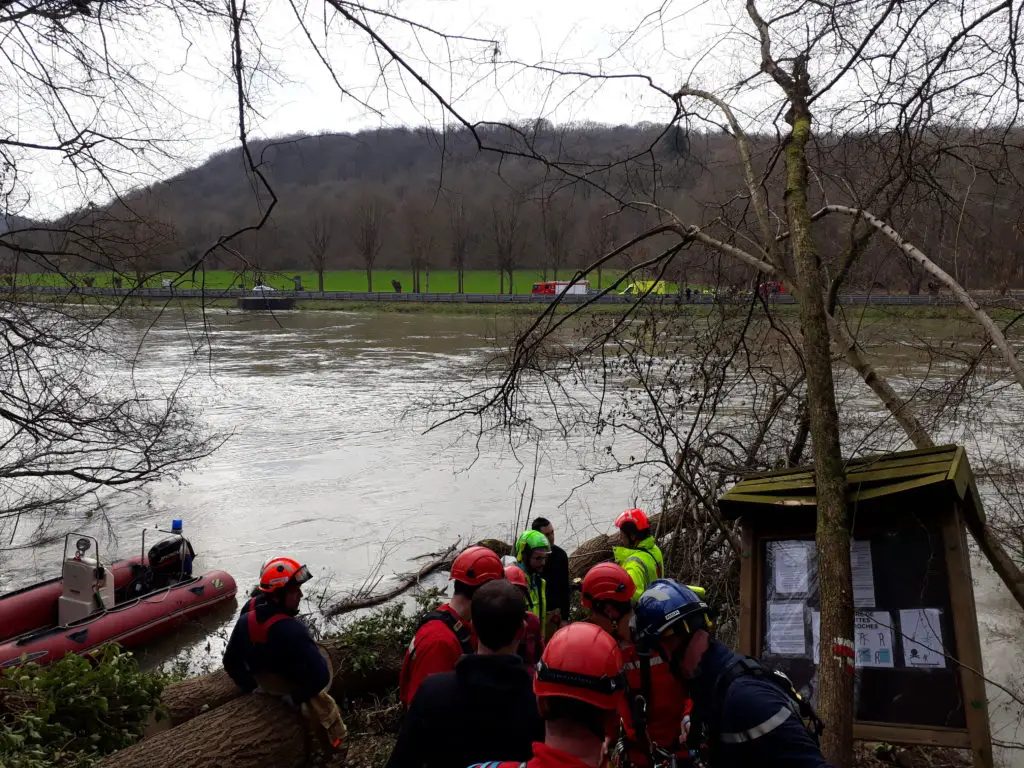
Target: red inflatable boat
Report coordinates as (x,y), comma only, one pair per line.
(91,604)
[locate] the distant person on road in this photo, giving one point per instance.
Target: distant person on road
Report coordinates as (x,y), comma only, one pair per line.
(556,574)
(446,634)
(485,707)
(272,651)
(532,550)
(641,556)
(532,645)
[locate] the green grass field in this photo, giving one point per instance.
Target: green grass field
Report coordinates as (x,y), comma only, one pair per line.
(353,280)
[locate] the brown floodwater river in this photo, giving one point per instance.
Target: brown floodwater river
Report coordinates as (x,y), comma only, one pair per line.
(328,461)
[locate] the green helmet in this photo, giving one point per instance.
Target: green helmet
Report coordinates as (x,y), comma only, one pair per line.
(530,540)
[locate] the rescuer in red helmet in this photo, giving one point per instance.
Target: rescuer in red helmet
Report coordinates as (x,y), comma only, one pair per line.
(447,633)
(659,706)
(271,650)
(533,641)
(641,556)
(580,693)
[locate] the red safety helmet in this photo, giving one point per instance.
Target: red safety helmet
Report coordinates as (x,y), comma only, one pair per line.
(634,516)
(515,576)
(583,662)
(476,566)
(282,572)
(607,581)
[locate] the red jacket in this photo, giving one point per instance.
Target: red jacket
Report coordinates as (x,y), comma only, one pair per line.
(434,649)
(543,757)
(669,703)
(532,647)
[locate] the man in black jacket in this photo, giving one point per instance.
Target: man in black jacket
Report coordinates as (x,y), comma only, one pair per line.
(484,709)
(556,574)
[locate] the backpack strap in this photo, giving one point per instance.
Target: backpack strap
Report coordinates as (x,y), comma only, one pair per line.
(454,623)
(796,706)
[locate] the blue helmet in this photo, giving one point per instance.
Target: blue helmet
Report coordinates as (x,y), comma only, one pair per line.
(668,607)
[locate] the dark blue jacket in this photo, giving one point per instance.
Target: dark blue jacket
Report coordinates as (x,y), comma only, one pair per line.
(289,651)
(757,725)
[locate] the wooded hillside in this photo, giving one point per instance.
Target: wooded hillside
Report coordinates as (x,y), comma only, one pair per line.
(415,199)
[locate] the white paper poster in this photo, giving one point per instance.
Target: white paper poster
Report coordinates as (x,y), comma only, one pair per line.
(863,574)
(786,629)
(790,562)
(873,639)
(922,638)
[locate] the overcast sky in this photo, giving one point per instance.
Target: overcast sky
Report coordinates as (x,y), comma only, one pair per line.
(196,104)
(190,101)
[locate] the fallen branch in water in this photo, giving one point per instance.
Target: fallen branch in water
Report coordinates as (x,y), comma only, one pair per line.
(363,600)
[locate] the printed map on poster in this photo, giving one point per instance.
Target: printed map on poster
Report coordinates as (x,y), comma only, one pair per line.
(922,638)
(873,639)
(791,565)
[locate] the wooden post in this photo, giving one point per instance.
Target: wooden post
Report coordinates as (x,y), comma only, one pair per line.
(961,598)
(750,566)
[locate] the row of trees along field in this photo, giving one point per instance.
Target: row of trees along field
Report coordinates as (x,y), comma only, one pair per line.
(421,199)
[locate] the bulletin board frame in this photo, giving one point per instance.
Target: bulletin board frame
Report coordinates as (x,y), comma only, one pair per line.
(885,493)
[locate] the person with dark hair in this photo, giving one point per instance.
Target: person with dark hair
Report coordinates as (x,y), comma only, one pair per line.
(641,557)
(532,550)
(580,692)
(447,633)
(485,705)
(556,574)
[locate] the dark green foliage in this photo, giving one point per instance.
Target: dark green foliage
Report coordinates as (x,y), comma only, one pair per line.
(385,628)
(72,712)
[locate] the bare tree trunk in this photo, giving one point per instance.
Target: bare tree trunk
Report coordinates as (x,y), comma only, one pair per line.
(461,279)
(835,673)
(320,279)
(369,280)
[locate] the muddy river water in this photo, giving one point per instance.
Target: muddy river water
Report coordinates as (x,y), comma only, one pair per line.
(327,463)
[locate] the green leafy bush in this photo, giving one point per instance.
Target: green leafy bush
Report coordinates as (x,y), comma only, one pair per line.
(388,627)
(70,713)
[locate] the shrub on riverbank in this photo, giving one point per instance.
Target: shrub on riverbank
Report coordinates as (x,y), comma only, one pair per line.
(74,711)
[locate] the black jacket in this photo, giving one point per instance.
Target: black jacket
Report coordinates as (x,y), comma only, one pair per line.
(483,710)
(556,574)
(757,726)
(289,651)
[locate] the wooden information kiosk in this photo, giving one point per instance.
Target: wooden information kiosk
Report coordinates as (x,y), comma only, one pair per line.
(916,633)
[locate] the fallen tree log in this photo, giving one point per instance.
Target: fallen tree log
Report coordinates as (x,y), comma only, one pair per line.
(355,675)
(442,561)
(251,730)
(363,600)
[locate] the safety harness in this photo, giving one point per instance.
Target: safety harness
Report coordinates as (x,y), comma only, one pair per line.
(450,620)
(709,727)
(259,631)
(640,703)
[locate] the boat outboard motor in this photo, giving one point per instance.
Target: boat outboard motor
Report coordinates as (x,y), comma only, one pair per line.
(171,560)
